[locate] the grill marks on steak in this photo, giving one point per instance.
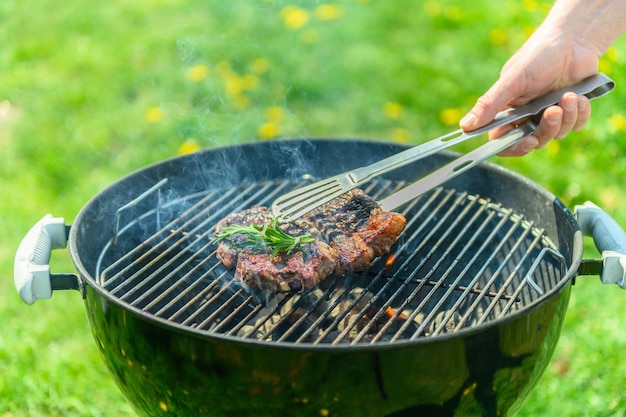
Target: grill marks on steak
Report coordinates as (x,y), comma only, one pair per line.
(357,228)
(349,232)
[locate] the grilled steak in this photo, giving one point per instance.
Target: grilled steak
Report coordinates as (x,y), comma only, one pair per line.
(348,232)
(357,228)
(258,268)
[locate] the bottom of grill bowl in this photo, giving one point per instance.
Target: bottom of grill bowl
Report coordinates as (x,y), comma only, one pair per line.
(421,332)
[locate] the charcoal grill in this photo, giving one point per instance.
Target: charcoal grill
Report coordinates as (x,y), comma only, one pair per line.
(461,316)
(494,263)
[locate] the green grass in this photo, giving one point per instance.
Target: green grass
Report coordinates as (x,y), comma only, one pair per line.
(89,93)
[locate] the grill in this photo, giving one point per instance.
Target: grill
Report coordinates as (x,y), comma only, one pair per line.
(462,261)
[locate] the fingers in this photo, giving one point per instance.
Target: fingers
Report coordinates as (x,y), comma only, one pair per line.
(572,113)
(487,106)
(576,112)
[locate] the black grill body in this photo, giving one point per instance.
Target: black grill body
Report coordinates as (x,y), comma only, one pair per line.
(491,315)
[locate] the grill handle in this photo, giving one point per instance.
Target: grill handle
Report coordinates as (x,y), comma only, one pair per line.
(31,271)
(609,238)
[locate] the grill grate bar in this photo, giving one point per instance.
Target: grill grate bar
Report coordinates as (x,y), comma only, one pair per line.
(494,276)
(441,282)
(144,251)
(452,209)
(512,275)
(484,293)
(286,333)
(461,262)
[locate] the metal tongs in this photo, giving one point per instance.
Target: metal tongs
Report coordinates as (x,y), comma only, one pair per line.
(301,200)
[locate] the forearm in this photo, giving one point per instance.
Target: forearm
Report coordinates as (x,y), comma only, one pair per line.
(592,24)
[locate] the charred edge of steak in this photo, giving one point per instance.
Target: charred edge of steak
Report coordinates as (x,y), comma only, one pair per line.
(358,229)
(349,231)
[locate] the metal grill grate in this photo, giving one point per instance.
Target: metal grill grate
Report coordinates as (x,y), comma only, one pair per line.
(461,262)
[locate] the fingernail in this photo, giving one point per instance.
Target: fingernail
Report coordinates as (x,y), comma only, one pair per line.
(468,120)
(554,117)
(570,105)
(529,144)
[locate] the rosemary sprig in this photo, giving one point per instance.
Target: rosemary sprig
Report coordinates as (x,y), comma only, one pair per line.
(265,235)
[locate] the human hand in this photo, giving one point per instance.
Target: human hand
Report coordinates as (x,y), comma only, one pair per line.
(546,62)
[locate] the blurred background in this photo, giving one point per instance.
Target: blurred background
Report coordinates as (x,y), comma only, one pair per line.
(92,92)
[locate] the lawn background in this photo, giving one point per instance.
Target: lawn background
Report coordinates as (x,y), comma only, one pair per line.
(91,92)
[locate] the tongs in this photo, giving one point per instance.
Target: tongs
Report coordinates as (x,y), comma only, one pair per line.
(301,200)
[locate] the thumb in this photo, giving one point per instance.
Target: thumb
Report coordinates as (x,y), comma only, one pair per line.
(487,106)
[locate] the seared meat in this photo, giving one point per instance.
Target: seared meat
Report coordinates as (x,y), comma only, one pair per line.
(256,266)
(357,228)
(349,232)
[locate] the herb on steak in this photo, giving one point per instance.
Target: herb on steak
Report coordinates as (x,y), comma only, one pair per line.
(265,235)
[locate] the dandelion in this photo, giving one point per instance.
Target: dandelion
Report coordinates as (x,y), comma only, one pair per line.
(393,110)
(188,146)
(259,66)
(240,101)
(294,17)
(198,72)
(249,82)
(617,123)
(453,13)
(275,114)
(497,36)
(153,115)
(610,198)
(432,8)
(268,130)
(605,66)
(328,12)
(553,148)
(612,54)
(530,6)
(400,135)
(451,116)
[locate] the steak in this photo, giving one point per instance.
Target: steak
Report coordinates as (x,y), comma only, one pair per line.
(348,233)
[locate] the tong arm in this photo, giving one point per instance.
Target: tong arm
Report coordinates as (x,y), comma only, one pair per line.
(592,87)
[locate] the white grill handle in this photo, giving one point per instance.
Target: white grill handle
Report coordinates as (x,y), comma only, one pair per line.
(31,271)
(609,238)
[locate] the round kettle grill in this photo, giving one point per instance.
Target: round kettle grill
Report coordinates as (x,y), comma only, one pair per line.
(460,318)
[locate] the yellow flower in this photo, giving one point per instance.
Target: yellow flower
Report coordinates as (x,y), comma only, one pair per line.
(294,17)
(268,130)
(612,54)
(432,8)
(198,72)
(260,66)
(275,113)
(605,66)
(530,5)
(328,11)
(453,13)
(188,146)
(497,37)
(154,115)
(393,110)
(249,82)
(400,135)
(610,198)
(553,148)
(240,101)
(451,116)
(617,122)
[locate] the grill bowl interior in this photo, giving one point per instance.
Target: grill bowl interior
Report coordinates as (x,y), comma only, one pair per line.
(461,262)
(169,329)
(474,252)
